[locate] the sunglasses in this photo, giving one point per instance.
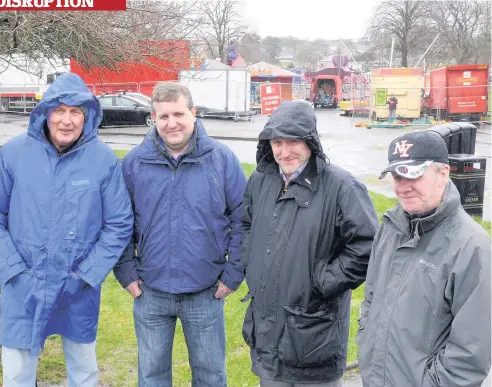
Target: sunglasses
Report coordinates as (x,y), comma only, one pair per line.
(411,171)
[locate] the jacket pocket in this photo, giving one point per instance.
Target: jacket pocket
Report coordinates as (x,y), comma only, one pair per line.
(22,285)
(309,339)
(249,326)
(87,201)
(74,287)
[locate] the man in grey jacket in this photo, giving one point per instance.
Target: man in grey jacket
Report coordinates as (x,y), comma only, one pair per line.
(425,320)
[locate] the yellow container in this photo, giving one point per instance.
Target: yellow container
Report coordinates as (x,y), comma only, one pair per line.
(352,103)
(404,84)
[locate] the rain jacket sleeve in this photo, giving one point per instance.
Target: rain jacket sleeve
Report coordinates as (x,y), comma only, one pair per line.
(246,225)
(357,222)
(232,276)
(11,263)
(116,231)
(372,275)
(465,360)
(125,270)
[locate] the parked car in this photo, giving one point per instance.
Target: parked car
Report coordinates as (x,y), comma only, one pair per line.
(140,96)
(123,109)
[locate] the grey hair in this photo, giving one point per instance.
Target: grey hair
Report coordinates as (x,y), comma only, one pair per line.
(438,167)
(170,91)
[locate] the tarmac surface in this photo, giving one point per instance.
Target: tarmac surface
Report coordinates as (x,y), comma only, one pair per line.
(361,151)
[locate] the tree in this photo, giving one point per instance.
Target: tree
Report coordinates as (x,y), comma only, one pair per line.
(291,44)
(94,38)
(403,20)
(380,46)
(271,49)
(250,47)
(308,55)
(464,26)
(221,25)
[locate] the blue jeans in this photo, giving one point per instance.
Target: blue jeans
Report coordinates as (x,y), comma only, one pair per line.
(202,317)
(392,114)
(19,367)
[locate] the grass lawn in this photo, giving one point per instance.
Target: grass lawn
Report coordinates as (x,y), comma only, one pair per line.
(116,342)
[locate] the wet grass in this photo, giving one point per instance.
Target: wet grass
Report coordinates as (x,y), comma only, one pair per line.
(120,153)
(379,147)
(116,342)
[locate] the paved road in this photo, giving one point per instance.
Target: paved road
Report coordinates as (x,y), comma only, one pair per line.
(361,151)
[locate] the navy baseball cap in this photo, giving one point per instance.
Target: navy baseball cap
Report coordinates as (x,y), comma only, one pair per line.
(411,155)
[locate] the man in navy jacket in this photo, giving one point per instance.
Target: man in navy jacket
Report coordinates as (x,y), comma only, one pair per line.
(186,191)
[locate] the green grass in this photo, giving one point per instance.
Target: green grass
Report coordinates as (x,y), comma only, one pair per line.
(379,147)
(486,225)
(116,342)
(120,153)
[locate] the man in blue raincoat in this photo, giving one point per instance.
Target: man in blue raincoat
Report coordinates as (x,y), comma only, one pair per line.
(65,219)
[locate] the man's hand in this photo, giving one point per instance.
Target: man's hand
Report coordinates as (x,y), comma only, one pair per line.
(134,289)
(222,290)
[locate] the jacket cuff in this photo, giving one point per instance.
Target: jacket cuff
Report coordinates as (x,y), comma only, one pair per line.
(126,273)
(84,272)
(14,266)
(228,281)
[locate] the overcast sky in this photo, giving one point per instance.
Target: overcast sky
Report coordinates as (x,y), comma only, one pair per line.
(309,19)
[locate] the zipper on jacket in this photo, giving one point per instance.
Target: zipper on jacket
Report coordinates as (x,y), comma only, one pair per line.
(286,187)
(175,170)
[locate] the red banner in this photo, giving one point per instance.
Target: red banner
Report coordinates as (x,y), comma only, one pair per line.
(270,97)
(62,5)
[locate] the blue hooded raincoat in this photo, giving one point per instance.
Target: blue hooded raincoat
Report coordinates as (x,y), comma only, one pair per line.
(59,215)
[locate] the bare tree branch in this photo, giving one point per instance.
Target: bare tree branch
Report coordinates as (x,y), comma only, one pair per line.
(403,21)
(465,27)
(221,25)
(103,39)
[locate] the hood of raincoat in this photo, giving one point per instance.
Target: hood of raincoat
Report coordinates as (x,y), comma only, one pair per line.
(68,89)
(292,119)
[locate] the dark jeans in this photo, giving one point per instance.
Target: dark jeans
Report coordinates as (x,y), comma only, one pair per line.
(202,317)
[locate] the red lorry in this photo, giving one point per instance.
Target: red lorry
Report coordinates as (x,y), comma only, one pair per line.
(326,91)
(138,76)
(459,92)
(21,90)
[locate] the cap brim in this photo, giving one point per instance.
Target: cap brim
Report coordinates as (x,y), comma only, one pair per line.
(409,169)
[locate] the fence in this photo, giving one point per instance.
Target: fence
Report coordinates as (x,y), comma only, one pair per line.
(467,103)
(471,102)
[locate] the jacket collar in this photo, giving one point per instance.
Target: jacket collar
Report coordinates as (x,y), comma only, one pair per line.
(309,177)
(203,144)
(301,188)
(449,206)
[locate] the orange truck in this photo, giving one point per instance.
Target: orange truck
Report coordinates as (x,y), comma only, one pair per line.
(459,92)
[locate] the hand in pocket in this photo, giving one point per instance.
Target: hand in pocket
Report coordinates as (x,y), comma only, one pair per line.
(73,287)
